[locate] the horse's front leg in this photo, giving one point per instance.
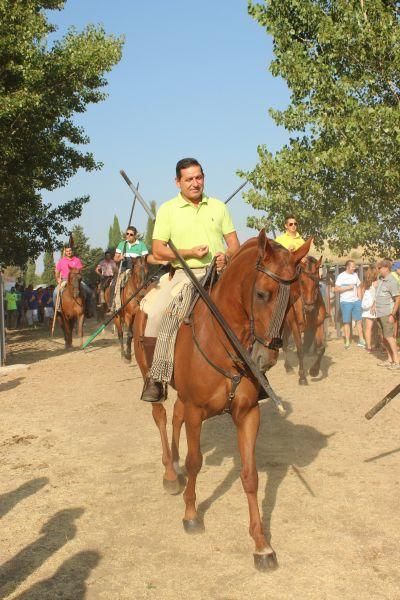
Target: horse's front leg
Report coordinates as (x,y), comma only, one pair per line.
(194,460)
(129,337)
(247,430)
(300,354)
(120,331)
(177,422)
(319,349)
(68,326)
(285,343)
(80,321)
(170,479)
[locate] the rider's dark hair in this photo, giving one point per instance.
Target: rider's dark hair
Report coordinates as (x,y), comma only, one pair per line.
(185,163)
(133,229)
(290,216)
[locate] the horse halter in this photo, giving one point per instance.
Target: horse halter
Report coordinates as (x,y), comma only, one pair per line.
(272,338)
(314,277)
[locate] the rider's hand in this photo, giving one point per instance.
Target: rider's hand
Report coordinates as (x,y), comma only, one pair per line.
(220,261)
(199,251)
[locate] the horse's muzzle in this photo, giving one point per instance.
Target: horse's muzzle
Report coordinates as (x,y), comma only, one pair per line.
(264,357)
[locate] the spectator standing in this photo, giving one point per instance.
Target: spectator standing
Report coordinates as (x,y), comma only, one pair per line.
(387,302)
(348,285)
(48,306)
(31,306)
(11,307)
(368,304)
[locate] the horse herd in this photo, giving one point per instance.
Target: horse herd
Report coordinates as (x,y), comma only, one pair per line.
(247,293)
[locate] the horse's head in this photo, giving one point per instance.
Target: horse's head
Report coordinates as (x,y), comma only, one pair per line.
(309,282)
(140,270)
(276,270)
(74,279)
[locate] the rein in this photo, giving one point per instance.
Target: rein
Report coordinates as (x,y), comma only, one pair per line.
(275,341)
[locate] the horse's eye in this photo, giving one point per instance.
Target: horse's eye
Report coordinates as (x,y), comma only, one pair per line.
(261,295)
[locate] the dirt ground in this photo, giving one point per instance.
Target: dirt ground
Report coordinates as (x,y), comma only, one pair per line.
(83,512)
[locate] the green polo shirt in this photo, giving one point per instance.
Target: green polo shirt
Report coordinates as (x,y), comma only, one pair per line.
(132,250)
(187,226)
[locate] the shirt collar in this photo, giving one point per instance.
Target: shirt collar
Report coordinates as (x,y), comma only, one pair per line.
(182,202)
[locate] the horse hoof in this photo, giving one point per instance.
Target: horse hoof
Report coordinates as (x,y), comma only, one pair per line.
(265,562)
(172,487)
(314,372)
(127,359)
(303,381)
(193,526)
(288,369)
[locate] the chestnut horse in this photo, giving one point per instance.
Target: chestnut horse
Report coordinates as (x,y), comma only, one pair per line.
(72,308)
(126,316)
(210,378)
(307,316)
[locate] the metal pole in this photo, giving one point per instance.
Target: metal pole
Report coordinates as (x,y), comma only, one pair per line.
(337,306)
(2,323)
(236,191)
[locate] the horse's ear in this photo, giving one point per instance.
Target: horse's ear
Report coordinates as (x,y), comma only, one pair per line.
(302,251)
(319,262)
(264,247)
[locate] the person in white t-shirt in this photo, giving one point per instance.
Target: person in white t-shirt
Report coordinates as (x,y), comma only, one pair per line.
(348,285)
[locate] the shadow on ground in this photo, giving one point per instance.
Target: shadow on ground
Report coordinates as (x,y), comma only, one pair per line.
(11,499)
(68,582)
(57,532)
(281,445)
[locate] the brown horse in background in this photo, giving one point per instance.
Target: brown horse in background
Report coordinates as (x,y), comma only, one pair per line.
(72,308)
(139,273)
(307,316)
(206,367)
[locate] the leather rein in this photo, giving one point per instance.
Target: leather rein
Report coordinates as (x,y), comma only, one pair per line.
(273,343)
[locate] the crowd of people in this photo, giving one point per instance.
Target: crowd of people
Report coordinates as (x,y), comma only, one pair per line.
(25,306)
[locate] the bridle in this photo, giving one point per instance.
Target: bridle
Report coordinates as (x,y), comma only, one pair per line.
(272,338)
(314,277)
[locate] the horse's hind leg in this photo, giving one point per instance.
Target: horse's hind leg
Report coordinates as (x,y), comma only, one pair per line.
(129,336)
(170,480)
(194,460)
(118,325)
(80,328)
(247,430)
(300,355)
(285,343)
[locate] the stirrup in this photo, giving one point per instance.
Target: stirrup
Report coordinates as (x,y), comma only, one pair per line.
(153,391)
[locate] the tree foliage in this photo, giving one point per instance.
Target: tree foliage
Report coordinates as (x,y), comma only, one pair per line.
(43,85)
(114,234)
(30,276)
(48,276)
(339,172)
(90,257)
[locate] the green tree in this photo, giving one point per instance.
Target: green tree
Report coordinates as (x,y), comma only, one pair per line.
(150,226)
(30,276)
(48,276)
(339,172)
(43,84)
(90,257)
(115,234)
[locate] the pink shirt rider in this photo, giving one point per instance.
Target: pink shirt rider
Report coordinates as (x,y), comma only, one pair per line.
(65,264)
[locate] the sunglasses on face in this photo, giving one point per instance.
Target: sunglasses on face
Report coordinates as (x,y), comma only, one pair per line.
(130,234)
(292,224)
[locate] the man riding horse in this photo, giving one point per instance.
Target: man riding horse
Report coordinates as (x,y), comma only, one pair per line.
(106,270)
(64,265)
(126,251)
(198,225)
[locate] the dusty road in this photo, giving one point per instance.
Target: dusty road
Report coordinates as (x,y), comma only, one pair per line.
(84,516)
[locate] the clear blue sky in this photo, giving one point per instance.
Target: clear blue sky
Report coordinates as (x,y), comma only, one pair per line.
(193,81)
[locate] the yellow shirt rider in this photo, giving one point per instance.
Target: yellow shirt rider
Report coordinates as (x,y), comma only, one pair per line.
(291,239)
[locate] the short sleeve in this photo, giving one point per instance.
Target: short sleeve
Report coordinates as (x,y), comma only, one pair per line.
(120,248)
(358,282)
(162,226)
(227,223)
(143,249)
